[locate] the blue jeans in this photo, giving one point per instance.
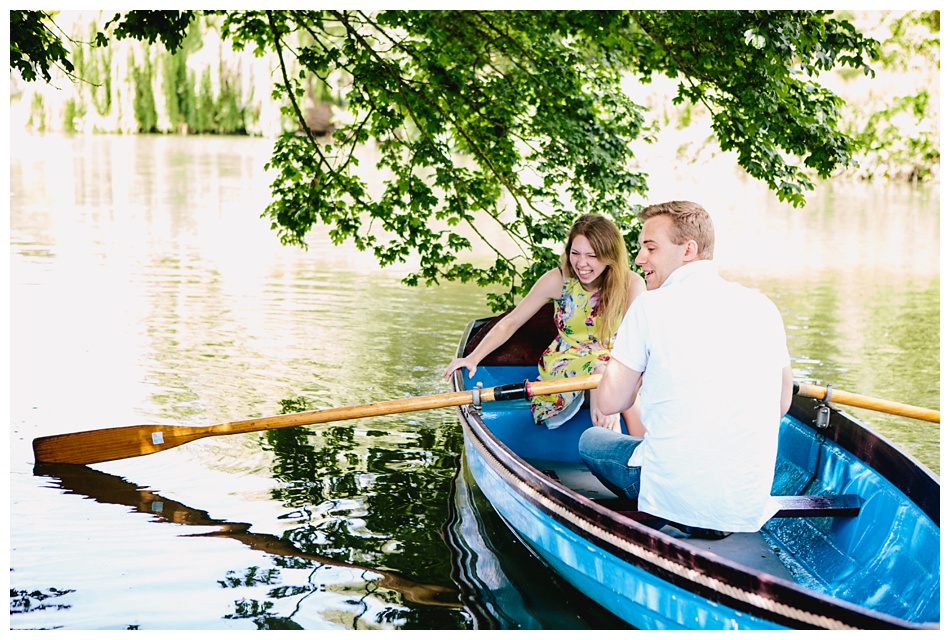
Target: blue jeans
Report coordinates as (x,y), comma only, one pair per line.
(607,454)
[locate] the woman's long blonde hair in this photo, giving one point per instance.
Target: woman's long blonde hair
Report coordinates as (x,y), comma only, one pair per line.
(607,242)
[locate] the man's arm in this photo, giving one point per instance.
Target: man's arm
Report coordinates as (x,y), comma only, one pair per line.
(617,388)
(787,389)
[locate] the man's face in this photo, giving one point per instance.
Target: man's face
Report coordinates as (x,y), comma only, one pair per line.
(658,256)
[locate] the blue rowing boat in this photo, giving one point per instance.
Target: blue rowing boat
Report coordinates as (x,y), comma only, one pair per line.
(856,545)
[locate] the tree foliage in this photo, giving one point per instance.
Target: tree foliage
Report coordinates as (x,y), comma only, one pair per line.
(169,27)
(765,101)
(897,131)
(500,127)
(34,46)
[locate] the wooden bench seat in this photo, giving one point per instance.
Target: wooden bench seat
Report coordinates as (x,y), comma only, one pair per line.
(847,505)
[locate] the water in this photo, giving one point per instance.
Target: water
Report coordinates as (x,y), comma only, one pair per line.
(145,289)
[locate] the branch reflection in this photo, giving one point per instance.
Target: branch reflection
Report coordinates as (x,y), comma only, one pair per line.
(109,489)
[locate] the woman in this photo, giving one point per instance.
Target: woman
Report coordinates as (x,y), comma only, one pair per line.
(592,290)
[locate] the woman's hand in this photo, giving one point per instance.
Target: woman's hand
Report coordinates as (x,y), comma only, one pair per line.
(459,363)
(608,421)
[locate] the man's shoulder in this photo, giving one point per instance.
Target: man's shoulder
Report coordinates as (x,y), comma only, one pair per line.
(714,293)
(744,294)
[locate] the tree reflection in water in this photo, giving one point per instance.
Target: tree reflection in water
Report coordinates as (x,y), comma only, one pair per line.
(389,587)
(375,500)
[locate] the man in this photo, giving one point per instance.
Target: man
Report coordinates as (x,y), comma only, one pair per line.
(711,364)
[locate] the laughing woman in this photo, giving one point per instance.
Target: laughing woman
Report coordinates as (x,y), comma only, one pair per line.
(592,289)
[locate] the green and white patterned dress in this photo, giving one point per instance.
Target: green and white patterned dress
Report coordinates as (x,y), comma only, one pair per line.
(575,351)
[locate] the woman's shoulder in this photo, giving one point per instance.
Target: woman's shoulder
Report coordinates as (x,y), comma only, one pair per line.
(553,275)
(637,285)
(551,283)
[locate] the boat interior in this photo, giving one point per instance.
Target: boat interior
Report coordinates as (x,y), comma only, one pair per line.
(553,452)
(749,549)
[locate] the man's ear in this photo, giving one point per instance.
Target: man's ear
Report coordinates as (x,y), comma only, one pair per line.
(692,251)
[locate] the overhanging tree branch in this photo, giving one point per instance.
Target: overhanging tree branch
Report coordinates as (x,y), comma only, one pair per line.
(465,108)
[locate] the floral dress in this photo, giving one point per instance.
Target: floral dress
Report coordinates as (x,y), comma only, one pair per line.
(575,351)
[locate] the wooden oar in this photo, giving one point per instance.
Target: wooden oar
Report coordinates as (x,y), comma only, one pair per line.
(102,445)
(866,402)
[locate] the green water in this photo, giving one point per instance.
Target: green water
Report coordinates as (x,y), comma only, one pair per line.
(145,289)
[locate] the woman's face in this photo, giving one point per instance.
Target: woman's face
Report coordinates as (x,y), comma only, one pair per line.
(586,264)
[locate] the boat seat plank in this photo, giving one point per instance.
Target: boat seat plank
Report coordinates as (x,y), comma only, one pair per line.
(847,505)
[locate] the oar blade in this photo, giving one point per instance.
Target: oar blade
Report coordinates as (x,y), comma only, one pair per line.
(103,445)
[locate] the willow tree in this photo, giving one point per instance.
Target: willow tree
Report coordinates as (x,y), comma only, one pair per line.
(506,124)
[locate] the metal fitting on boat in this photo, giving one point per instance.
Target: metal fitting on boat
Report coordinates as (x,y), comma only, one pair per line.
(823,419)
(477,397)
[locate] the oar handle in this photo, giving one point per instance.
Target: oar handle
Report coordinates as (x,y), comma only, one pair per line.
(866,402)
(528,389)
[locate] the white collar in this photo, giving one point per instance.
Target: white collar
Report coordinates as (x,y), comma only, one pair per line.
(696,269)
